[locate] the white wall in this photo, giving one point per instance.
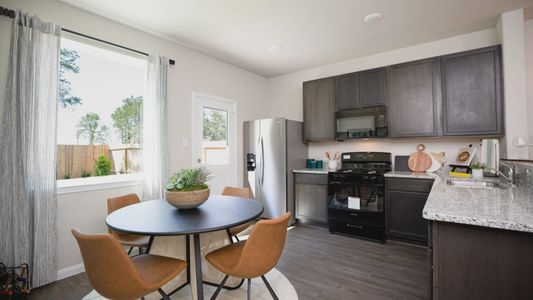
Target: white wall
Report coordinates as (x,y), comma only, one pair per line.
(193,72)
(87,212)
(529,76)
(285,93)
(511,29)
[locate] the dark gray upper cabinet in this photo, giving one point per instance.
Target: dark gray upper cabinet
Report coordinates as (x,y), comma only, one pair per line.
(414,98)
(453,95)
(347,91)
(373,87)
(319,110)
(361,89)
(471,93)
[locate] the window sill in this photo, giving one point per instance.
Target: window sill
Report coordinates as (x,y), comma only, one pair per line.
(77,185)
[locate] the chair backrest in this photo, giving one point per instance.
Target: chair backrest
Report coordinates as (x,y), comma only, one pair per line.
(237,192)
(263,248)
(120,202)
(111,272)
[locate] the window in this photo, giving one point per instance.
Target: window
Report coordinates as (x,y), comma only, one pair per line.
(215,136)
(100,112)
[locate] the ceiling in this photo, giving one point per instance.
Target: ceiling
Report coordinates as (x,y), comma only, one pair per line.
(310,33)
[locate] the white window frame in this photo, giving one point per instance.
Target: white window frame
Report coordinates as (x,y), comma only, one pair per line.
(76,185)
(94,183)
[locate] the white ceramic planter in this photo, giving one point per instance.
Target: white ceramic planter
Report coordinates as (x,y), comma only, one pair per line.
(332,165)
(477,173)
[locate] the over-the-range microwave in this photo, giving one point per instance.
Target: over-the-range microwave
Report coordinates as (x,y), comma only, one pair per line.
(369,122)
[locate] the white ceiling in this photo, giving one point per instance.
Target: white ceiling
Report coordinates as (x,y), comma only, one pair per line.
(311,32)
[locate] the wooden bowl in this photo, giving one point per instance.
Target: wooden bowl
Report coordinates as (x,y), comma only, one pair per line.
(186,200)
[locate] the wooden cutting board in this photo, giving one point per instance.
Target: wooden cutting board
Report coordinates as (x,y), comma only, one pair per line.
(419,161)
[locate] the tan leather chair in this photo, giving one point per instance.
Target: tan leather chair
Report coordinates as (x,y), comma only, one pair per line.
(238,192)
(115,275)
(127,240)
(254,257)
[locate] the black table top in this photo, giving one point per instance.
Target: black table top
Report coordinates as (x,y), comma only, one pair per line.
(158,218)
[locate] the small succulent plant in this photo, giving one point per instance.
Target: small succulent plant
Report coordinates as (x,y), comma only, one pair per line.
(477,165)
(187,180)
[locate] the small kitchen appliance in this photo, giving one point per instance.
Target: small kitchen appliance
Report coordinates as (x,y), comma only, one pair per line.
(490,156)
(356,195)
(369,122)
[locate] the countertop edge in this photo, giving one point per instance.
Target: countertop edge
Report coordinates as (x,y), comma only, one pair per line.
(311,171)
(414,175)
(487,223)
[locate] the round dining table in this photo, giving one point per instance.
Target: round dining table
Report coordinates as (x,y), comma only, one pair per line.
(159,218)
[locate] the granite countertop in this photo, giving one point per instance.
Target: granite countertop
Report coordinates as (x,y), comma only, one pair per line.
(508,207)
(311,171)
(407,174)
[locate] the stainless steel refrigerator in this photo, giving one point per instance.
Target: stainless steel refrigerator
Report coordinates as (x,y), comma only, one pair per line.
(272,149)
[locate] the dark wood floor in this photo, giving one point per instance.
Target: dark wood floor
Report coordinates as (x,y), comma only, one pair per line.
(325,266)
(322,266)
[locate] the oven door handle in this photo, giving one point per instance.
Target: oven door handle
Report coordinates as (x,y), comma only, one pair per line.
(335,182)
(354,226)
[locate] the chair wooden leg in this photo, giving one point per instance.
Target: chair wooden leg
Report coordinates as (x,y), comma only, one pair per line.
(219,288)
(163,294)
(249,291)
(129,251)
(269,288)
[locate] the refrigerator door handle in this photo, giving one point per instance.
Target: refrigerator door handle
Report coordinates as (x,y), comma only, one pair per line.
(262,179)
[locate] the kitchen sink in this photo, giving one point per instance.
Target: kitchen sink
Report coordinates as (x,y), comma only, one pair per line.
(474,184)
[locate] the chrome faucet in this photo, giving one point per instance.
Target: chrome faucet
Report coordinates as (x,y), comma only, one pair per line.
(508,172)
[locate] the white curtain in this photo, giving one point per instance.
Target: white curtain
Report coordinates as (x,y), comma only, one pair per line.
(28,149)
(155,157)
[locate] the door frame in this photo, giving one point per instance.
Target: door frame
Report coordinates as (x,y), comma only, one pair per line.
(232,144)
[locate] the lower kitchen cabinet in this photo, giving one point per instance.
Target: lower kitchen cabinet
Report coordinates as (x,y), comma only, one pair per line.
(404,202)
(311,197)
(474,262)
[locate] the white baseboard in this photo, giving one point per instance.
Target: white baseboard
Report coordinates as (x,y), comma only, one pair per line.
(70,271)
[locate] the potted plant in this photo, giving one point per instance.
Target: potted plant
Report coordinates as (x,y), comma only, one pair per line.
(102,166)
(477,170)
(187,188)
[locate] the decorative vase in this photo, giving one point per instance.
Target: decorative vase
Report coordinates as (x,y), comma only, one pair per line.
(477,173)
(332,165)
(187,200)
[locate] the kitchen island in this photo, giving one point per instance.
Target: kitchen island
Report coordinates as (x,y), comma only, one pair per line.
(481,241)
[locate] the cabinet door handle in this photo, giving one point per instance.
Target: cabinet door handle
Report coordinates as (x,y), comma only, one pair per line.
(354,214)
(354,226)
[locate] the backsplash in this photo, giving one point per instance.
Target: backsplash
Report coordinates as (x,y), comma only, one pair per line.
(397,146)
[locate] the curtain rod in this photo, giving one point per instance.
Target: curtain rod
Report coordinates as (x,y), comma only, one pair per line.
(11,14)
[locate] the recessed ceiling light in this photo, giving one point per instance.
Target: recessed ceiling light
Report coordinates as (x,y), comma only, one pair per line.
(274,48)
(373,18)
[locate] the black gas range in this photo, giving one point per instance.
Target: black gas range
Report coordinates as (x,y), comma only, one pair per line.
(356,195)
